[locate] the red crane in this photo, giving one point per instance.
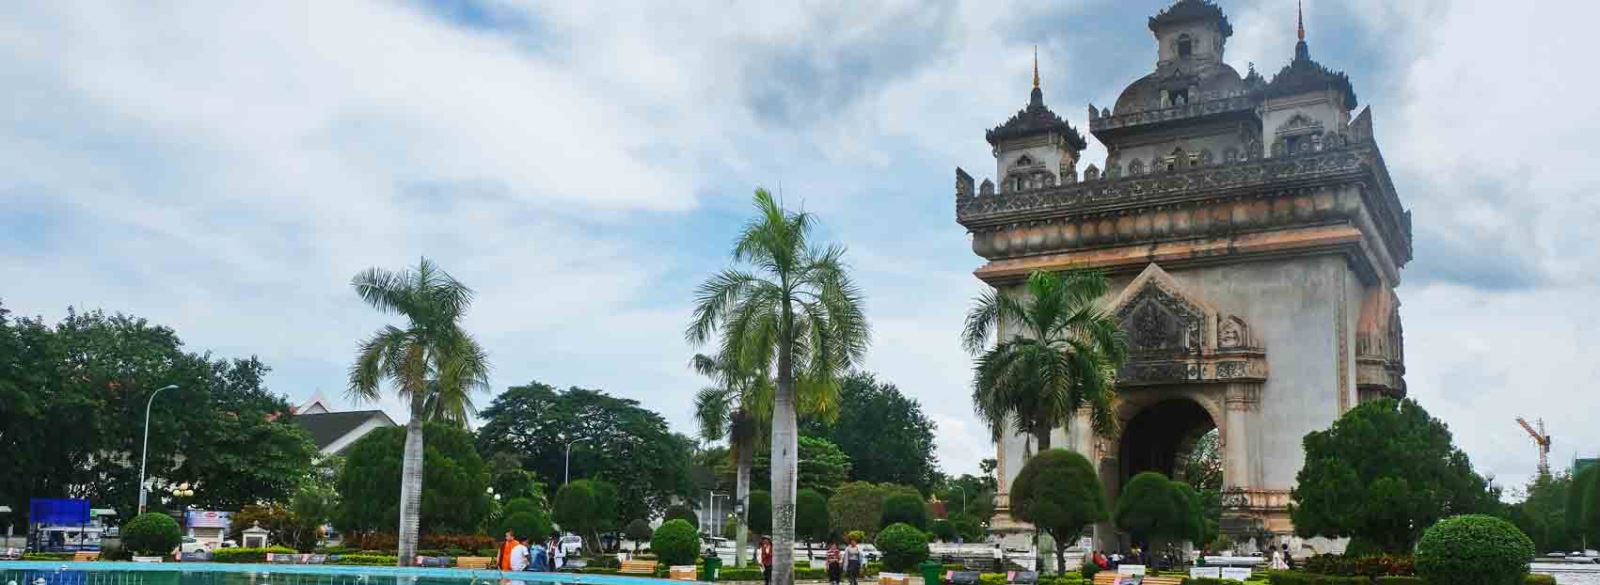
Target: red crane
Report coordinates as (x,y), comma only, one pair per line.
(1542,439)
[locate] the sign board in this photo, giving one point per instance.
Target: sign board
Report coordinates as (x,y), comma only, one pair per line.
(208,519)
(1236,573)
(53,511)
(1205,572)
(1130,569)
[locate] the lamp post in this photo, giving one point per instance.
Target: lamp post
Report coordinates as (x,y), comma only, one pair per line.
(566,474)
(145,451)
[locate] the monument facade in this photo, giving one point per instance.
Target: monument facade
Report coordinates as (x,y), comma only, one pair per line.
(1254,241)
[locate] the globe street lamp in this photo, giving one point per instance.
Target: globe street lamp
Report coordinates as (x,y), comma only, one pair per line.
(145,452)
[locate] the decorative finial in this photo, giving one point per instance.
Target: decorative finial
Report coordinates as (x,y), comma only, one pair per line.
(1036,66)
(1300,11)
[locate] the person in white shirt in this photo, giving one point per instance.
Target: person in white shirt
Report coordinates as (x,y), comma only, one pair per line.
(519,557)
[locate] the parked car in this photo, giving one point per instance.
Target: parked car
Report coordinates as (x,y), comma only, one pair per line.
(571,544)
(191,545)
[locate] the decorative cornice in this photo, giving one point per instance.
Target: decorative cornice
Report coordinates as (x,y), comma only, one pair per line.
(1209,106)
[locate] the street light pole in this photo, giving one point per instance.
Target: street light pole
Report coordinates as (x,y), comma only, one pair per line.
(144,453)
(567,472)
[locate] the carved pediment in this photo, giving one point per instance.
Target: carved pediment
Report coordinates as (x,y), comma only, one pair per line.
(1158,318)
(1175,337)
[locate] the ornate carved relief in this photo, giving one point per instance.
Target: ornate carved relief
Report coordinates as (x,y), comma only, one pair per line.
(1233,333)
(1170,336)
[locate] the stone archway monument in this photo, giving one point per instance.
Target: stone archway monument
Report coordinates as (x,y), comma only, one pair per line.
(1253,239)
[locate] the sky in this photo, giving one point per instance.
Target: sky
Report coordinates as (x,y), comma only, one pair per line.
(225,167)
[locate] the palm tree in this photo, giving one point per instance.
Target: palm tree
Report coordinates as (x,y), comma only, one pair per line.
(1062,357)
(736,408)
(798,315)
(432,364)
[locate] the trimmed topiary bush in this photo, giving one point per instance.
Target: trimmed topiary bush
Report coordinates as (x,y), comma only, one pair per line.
(905,509)
(903,546)
(1474,550)
(682,512)
(528,526)
(675,543)
(151,534)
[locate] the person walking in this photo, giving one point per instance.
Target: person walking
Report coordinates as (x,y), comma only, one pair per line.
(764,556)
(1277,563)
(853,561)
(835,563)
(1288,559)
(508,549)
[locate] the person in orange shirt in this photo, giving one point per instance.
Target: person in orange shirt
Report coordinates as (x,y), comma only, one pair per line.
(508,551)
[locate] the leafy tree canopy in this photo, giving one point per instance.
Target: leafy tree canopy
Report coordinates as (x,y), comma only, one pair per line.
(1383,473)
(884,434)
(823,466)
(1542,515)
(811,516)
(619,441)
(1152,507)
(93,373)
(858,506)
(454,482)
(760,513)
(1058,492)
(905,508)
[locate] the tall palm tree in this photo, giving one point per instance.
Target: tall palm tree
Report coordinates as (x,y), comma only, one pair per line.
(1062,355)
(798,315)
(736,408)
(432,364)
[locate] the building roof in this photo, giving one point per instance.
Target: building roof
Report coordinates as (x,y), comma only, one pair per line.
(327,427)
(1191,10)
(1303,75)
(1035,119)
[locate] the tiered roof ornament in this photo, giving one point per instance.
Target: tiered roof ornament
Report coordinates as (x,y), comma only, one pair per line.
(1191,10)
(1035,119)
(1305,75)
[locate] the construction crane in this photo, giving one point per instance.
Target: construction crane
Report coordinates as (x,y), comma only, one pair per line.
(1542,439)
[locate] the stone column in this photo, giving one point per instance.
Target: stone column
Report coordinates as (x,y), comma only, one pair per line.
(1236,438)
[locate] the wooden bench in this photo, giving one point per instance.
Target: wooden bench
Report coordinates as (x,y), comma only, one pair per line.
(1110,578)
(474,562)
(638,567)
(85,555)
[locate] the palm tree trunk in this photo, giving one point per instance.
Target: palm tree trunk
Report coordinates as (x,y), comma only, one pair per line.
(410,490)
(741,491)
(784,460)
(1042,438)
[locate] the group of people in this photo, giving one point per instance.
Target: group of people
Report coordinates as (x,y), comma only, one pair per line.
(1111,561)
(841,563)
(531,556)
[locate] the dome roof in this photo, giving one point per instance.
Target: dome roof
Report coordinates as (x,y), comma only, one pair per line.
(1034,120)
(1191,10)
(1303,75)
(1145,94)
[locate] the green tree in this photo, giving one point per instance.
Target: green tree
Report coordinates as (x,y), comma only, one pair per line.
(903,546)
(675,543)
(151,534)
(885,435)
(94,373)
(577,509)
(1542,515)
(905,508)
(1063,355)
(737,408)
(759,515)
(798,316)
(616,440)
(1383,473)
(455,482)
(823,467)
(639,531)
(857,505)
(527,519)
(811,516)
(1194,520)
(1058,492)
(1150,507)
(432,364)
(1473,550)
(684,513)
(967,495)
(1582,509)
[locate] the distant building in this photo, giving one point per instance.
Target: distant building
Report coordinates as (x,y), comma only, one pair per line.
(333,432)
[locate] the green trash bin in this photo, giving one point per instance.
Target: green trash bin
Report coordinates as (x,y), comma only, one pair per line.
(713,564)
(932,572)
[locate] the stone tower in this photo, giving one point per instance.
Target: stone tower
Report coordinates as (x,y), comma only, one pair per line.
(1254,242)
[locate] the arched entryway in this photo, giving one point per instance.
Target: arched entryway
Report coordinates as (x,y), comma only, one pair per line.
(1161,437)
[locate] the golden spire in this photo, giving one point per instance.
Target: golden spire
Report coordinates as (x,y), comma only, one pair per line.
(1036,66)
(1300,11)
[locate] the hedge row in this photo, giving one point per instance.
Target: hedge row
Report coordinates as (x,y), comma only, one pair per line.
(1298,578)
(247,555)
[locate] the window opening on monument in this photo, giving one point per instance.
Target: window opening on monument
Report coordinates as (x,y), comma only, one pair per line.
(1185,46)
(1164,437)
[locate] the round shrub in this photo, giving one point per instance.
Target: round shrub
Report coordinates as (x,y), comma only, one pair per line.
(638,530)
(1473,550)
(151,534)
(903,546)
(675,543)
(527,526)
(944,530)
(684,513)
(905,508)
